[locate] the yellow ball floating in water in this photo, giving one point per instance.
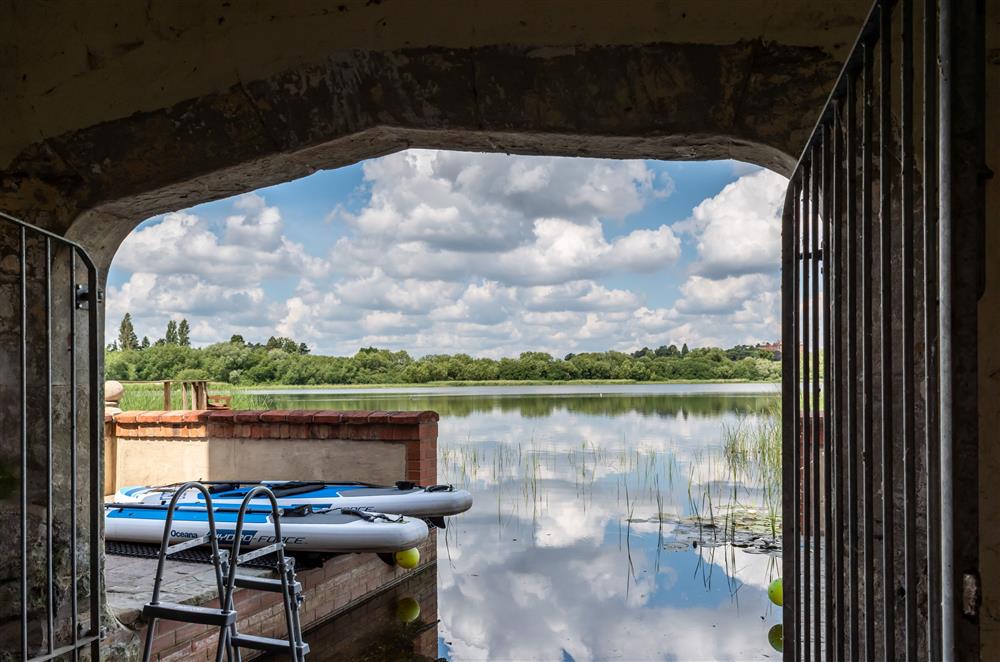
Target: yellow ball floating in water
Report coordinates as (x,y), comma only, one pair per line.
(408,559)
(408,610)
(775,592)
(776,637)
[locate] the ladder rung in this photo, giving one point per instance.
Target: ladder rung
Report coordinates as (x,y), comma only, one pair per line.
(188,544)
(257,553)
(265,584)
(189,614)
(266,644)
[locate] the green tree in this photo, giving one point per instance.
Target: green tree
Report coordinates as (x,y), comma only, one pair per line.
(684,350)
(171,336)
(126,334)
(236,339)
(286,361)
(145,343)
(184,333)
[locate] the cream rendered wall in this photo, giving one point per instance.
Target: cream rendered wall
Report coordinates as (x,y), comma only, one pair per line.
(160,461)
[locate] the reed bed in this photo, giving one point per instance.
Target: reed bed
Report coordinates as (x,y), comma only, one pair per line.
(149,397)
(731,491)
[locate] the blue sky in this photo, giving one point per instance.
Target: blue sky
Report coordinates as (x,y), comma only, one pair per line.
(488,254)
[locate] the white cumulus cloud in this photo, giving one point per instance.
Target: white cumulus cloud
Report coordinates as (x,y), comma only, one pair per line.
(738,231)
(462,252)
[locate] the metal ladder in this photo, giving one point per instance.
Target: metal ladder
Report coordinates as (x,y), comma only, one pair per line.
(223,618)
(286,584)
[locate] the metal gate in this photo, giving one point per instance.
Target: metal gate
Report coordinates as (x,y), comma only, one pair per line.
(50,447)
(882,269)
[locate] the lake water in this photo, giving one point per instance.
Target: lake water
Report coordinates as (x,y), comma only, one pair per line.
(580,544)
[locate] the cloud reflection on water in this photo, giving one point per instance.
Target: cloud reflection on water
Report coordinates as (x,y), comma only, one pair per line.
(547,566)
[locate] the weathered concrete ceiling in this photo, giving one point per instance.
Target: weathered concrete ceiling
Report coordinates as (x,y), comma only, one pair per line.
(134,109)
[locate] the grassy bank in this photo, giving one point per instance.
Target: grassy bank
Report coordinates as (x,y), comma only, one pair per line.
(149,396)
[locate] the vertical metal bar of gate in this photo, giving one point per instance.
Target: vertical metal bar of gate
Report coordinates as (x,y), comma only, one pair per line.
(907,236)
(961,228)
(814,382)
(807,430)
(40,255)
(95,345)
(843,599)
(74,441)
(886,407)
(867,401)
(831,550)
(790,467)
(932,501)
(791,506)
(850,406)
(24,438)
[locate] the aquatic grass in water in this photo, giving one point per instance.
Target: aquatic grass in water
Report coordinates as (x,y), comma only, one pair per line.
(752,448)
(733,495)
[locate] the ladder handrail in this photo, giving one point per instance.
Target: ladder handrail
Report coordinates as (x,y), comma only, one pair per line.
(165,543)
(284,566)
(218,558)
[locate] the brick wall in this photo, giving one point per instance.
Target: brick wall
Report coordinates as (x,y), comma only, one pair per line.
(372,446)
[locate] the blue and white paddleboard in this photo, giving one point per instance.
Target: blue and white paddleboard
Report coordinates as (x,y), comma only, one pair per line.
(404,498)
(303,528)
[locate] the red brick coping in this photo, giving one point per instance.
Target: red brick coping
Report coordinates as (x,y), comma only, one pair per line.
(416,429)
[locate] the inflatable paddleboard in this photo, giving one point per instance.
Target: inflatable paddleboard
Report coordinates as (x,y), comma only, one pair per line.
(404,498)
(303,528)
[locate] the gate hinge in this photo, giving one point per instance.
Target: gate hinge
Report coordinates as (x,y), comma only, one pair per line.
(83,297)
(971,594)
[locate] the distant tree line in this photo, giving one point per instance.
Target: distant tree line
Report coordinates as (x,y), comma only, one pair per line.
(284,361)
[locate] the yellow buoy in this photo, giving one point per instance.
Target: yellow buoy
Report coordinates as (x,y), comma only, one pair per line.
(775,592)
(408,610)
(776,637)
(408,559)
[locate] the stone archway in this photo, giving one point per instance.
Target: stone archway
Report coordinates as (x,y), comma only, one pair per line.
(254,98)
(128,110)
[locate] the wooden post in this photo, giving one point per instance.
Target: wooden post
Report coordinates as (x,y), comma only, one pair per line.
(166,395)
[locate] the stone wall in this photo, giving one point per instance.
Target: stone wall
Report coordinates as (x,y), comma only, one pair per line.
(159,447)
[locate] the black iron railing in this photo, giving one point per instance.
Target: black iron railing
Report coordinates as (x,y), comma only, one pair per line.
(52,407)
(882,270)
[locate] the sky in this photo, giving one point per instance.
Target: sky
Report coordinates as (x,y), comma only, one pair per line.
(488,254)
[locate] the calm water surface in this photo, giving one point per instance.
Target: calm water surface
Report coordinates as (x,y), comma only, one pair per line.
(573,550)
